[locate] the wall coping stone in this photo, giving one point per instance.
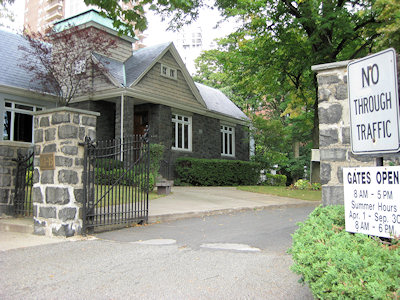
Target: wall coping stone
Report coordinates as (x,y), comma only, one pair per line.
(328,66)
(16,144)
(66,109)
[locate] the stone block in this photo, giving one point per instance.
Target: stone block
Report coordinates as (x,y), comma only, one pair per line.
(35,178)
(65,230)
(79,195)
(47,212)
(7,151)
(39,227)
(47,177)
(341,92)
(67,214)
(62,161)
(4,196)
(69,150)
(82,133)
(59,118)
(57,195)
(331,115)
(92,134)
(332,195)
(50,134)
(44,121)
(325,173)
(328,137)
(75,119)
(89,121)
(5,181)
(361,158)
(68,176)
(78,161)
(37,195)
(339,174)
(346,135)
(38,135)
(5,170)
(323,94)
(333,154)
(327,79)
(68,132)
(50,148)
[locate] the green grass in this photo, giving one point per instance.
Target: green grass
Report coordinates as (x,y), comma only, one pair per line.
(284,192)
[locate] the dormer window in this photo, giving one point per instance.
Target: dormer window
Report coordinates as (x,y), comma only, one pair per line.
(169,72)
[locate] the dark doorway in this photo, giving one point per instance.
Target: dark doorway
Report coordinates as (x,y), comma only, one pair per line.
(141,120)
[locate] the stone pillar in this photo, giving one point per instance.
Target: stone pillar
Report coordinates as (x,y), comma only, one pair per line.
(8,167)
(57,183)
(334,131)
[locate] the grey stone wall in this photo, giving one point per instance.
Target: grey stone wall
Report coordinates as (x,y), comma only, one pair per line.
(106,120)
(206,140)
(9,151)
(334,128)
(58,192)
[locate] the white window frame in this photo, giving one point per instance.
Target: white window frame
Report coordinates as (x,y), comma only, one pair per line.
(14,110)
(179,120)
(170,73)
(227,149)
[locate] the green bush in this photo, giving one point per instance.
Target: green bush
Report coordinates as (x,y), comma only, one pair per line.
(341,265)
(156,154)
(216,172)
(274,180)
(122,177)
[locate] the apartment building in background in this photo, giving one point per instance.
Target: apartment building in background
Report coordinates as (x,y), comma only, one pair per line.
(42,14)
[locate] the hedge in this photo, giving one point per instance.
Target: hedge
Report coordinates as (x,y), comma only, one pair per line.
(275,180)
(216,172)
(341,265)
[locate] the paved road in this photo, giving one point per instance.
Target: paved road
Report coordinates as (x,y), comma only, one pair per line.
(238,256)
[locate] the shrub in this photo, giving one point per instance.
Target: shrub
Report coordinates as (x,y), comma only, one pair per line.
(274,180)
(341,265)
(216,172)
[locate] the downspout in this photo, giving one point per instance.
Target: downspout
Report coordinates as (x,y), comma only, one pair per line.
(122,113)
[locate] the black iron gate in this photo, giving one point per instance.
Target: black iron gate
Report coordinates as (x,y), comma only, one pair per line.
(23,185)
(116,182)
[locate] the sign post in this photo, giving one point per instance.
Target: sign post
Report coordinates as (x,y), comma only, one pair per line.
(374,104)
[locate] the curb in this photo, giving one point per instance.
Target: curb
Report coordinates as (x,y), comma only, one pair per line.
(206,213)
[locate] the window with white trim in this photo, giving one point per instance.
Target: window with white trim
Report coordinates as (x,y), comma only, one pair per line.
(227,140)
(18,121)
(181,132)
(169,72)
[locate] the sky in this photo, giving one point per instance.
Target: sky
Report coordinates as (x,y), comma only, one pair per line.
(156,32)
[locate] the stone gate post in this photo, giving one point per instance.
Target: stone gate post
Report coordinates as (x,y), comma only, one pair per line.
(57,181)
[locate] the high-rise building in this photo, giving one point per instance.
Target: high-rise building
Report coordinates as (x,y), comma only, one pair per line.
(190,44)
(41,14)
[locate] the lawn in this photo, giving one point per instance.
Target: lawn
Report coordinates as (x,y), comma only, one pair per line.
(284,192)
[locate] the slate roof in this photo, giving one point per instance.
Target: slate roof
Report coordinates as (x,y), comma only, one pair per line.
(217,101)
(142,59)
(11,74)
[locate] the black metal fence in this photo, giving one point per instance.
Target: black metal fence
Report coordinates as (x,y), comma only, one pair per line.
(116,181)
(23,185)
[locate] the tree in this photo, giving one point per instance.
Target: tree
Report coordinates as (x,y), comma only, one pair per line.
(5,13)
(61,62)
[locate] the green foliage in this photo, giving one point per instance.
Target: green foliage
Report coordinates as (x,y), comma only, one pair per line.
(275,180)
(156,154)
(302,184)
(123,177)
(340,265)
(216,172)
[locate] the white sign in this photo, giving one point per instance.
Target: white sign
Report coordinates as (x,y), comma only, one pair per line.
(374,104)
(372,200)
